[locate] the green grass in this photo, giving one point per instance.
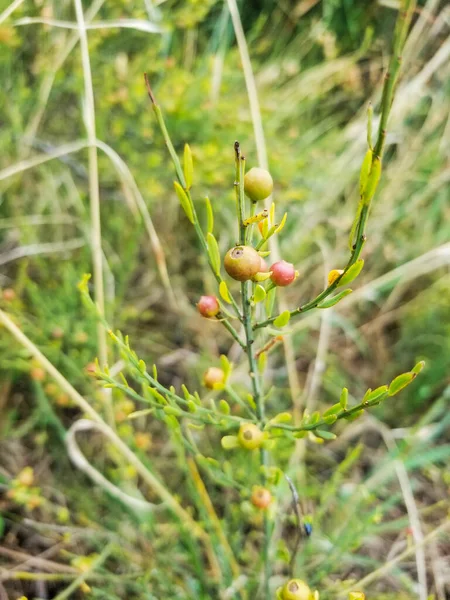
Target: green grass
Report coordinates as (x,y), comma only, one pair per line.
(314,77)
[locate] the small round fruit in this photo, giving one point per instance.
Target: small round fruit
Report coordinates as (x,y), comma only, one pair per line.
(283,273)
(250,436)
(208,306)
(9,294)
(261,497)
(212,377)
(242,263)
(295,589)
(258,184)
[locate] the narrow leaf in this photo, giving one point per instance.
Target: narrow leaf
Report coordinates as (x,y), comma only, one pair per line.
(213,253)
(184,201)
(376,395)
(224,293)
(209,215)
(343,400)
(417,368)
(352,272)
(373,179)
(282,223)
(334,299)
(270,301)
(365,170)
(400,382)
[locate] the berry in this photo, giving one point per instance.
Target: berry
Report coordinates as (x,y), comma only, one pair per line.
(261,497)
(283,273)
(295,589)
(250,436)
(37,374)
(242,263)
(208,306)
(333,275)
(258,184)
(213,377)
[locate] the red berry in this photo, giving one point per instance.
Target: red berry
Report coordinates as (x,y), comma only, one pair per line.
(208,306)
(258,184)
(212,377)
(283,273)
(242,263)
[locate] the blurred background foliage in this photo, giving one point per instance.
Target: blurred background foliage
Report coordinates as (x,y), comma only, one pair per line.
(317,63)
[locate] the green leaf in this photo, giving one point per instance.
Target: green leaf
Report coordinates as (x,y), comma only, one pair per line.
(352,272)
(343,400)
(188,166)
(184,201)
(314,418)
(400,382)
(260,294)
(373,179)
(418,367)
(334,299)
(282,224)
(192,407)
(157,395)
(155,373)
(229,442)
(283,417)
(262,362)
(283,319)
(226,365)
(330,419)
(213,253)
(224,293)
(333,410)
(224,407)
(270,301)
(209,215)
(173,410)
(376,395)
(325,435)
(251,401)
(365,170)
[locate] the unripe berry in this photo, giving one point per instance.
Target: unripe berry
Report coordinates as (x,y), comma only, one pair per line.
(212,377)
(208,306)
(283,273)
(295,589)
(258,184)
(242,263)
(250,436)
(261,497)
(333,275)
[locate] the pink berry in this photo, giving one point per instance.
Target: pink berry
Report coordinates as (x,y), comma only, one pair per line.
(283,273)
(208,306)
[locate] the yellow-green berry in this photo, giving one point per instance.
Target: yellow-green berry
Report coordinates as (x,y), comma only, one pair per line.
(242,263)
(258,184)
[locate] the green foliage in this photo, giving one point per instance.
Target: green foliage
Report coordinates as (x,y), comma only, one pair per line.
(313,78)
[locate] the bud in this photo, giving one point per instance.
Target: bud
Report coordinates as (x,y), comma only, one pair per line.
(295,589)
(250,436)
(261,497)
(242,263)
(333,275)
(212,377)
(208,306)
(283,273)
(258,184)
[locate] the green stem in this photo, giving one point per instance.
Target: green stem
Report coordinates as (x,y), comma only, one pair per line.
(182,181)
(233,394)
